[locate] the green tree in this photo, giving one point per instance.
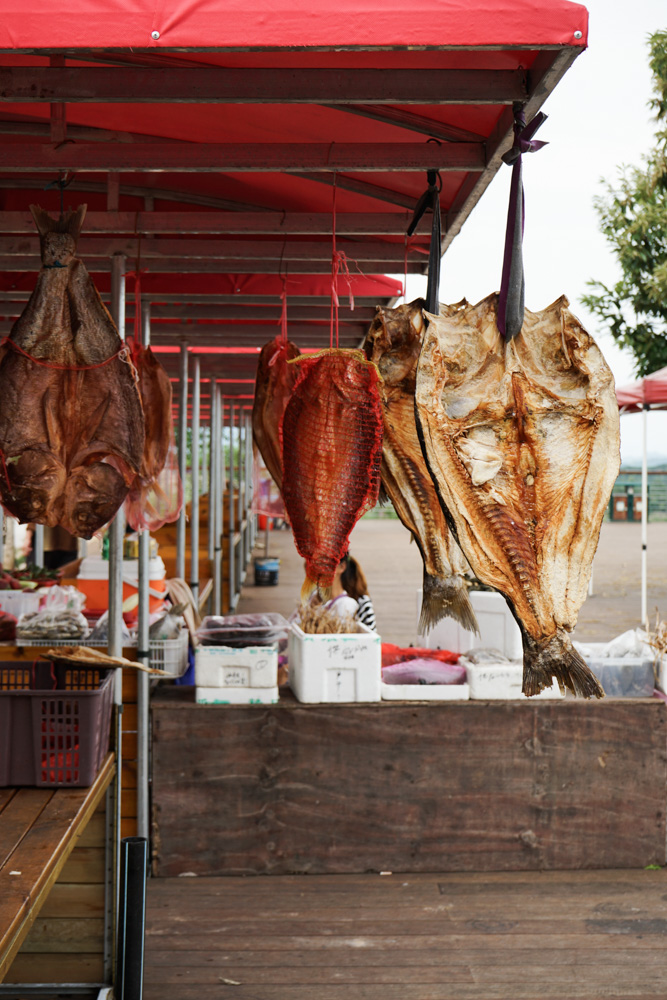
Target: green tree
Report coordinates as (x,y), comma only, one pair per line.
(633,218)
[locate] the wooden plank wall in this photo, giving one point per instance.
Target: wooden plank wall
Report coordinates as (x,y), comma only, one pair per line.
(407,787)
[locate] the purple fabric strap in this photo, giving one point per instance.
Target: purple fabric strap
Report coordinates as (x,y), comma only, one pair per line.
(511,301)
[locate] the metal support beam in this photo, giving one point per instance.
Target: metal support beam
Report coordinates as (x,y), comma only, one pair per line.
(38,545)
(182,457)
(228,223)
(143,651)
(195,448)
(213,85)
(232,513)
(231,265)
(270,157)
(217,491)
(290,252)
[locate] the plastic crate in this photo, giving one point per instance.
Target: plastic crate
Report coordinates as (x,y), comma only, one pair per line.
(170,654)
(54,723)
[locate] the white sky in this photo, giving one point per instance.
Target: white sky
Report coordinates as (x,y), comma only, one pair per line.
(598,119)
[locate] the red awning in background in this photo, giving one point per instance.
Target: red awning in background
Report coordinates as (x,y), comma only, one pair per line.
(649,391)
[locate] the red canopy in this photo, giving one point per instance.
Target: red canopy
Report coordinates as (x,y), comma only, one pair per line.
(206,138)
(648,391)
(103,24)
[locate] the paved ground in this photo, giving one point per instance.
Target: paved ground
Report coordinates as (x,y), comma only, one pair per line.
(394,570)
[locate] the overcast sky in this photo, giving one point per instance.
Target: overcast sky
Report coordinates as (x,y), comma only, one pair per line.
(598,120)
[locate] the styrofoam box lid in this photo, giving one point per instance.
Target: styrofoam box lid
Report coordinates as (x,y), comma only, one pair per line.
(324,638)
(97,568)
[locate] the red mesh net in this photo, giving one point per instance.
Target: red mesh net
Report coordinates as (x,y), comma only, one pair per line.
(156,493)
(331,448)
(273,386)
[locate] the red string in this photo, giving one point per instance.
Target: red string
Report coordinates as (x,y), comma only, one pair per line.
(283,313)
(6,342)
(339,261)
(4,469)
(137,298)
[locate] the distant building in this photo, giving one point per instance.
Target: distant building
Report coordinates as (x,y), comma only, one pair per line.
(625,502)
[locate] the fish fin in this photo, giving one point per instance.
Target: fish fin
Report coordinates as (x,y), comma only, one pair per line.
(557,659)
(444,597)
(44,222)
(307,589)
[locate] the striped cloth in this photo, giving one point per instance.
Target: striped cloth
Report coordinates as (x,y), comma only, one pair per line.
(365,613)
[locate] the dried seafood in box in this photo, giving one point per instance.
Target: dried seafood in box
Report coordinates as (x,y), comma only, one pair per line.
(71,420)
(522,441)
(393,342)
(331,447)
(68,624)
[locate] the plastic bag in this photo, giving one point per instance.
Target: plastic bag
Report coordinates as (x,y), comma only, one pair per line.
(399,654)
(63,599)
(100,632)
(62,624)
(423,671)
(243,630)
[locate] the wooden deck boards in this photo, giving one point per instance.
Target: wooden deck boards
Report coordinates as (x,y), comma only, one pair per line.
(583,935)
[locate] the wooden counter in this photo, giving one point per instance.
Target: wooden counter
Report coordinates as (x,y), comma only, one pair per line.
(406,786)
(39,828)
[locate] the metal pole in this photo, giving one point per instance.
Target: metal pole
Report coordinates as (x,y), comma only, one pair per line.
(131,919)
(194,513)
(247,437)
(239,550)
(644,515)
(232,521)
(38,545)
(116,534)
(182,457)
(216,484)
(143,648)
(212,476)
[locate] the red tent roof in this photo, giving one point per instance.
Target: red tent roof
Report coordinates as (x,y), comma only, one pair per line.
(269,23)
(648,391)
(206,137)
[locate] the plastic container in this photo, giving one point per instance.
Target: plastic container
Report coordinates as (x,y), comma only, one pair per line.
(340,667)
(266,572)
(19,602)
(93,581)
(497,626)
(624,677)
(243,630)
(226,667)
(54,724)
(170,654)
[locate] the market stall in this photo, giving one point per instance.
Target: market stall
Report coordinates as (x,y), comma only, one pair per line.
(248,172)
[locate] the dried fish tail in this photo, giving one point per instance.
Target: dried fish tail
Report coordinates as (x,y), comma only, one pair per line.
(542,661)
(445,595)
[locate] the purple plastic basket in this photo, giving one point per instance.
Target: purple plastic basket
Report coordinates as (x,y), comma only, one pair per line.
(54,724)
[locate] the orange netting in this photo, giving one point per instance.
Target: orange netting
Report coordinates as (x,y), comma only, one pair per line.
(331,449)
(156,493)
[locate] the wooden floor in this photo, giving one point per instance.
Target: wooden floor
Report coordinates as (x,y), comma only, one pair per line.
(511,936)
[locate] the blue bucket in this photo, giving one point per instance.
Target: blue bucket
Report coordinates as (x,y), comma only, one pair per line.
(266,572)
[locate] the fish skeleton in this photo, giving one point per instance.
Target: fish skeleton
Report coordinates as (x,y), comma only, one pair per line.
(523,443)
(393,342)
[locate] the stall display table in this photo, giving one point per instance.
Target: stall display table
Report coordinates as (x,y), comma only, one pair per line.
(409,787)
(39,827)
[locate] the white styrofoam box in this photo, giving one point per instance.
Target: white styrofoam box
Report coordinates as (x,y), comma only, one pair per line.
(501,681)
(337,667)
(236,695)
(246,667)
(498,629)
(425,692)
(97,568)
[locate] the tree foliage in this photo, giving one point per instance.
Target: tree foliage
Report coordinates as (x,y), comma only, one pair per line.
(633,218)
